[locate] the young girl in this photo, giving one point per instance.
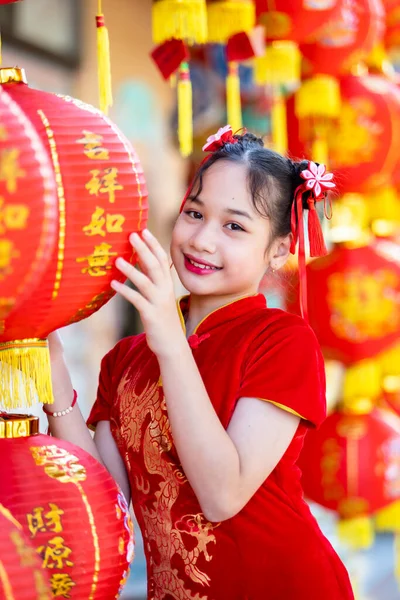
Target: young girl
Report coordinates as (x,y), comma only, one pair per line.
(201,419)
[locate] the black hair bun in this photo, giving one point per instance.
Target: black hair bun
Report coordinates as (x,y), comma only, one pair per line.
(250,138)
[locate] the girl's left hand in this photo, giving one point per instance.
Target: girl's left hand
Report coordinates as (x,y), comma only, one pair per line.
(154,298)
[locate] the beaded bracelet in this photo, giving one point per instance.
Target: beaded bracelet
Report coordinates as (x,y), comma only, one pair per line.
(62,413)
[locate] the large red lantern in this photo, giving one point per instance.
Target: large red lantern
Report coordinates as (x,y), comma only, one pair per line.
(352,463)
(28,206)
(346,39)
(362,148)
(21,573)
(102,198)
(70,508)
(354,302)
(296,20)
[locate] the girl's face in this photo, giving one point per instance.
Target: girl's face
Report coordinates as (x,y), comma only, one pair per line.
(220,244)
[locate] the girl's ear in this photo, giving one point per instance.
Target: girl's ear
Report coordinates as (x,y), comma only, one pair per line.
(279,252)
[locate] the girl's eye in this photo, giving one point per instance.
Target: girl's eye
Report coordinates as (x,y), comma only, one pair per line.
(193,214)
(234,227)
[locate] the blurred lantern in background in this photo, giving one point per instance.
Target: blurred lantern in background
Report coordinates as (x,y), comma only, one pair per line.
(345,40)
(351,465)
(69,507)
(102,198)
(297,20)
(354,302)
(28,203)
(362,140)
(21,573)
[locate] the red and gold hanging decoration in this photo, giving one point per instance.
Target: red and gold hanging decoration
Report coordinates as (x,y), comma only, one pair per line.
(354,302)
(228,20)
(70,508)
(21,573)
(183,21)
(362,141)
(28,207)
(347,39)
(351,465)
(102,198)
(296,20)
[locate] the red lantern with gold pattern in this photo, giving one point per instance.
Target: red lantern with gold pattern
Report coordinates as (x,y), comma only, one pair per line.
(102,198)
(346,39)
(296,20)
(362,147)
(21,573)
(70,508)
(352,463)
(354,302)
(28,207)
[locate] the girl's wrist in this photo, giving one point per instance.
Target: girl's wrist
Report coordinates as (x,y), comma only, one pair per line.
(55,410)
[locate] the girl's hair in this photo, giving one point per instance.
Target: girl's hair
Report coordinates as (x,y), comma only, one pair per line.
(272,179)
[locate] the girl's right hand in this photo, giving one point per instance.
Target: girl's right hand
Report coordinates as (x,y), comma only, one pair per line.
(60,377)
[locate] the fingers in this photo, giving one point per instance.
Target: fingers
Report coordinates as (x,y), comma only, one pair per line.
(141,281)
(152,257)
(135,298)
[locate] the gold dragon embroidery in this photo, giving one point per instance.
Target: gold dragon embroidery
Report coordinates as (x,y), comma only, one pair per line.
(160,529)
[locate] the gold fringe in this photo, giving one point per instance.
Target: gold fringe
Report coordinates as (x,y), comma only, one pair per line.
(25,373)
(225,18)
(185,111)
(104,64)
(358,533)
(280,65)
(233,100)
(388,518)
(279,123)
(180,19)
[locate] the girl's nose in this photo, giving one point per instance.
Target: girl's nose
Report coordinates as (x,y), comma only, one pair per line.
(204,240)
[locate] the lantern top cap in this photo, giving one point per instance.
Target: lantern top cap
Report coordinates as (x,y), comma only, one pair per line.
(13,426)
(12,75)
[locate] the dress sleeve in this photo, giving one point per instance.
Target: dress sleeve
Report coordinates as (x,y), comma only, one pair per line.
(101,409)
(286,368)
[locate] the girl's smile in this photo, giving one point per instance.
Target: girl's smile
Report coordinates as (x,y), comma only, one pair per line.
(199,266)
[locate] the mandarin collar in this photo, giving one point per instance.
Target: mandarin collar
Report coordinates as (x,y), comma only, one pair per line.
(223,314)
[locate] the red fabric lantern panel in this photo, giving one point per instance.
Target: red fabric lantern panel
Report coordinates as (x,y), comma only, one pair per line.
(73,513)
(28,207)
(354,302)
(296,20)
(352,464)
(362,149)
(347,39)
(21,573)
(102,199)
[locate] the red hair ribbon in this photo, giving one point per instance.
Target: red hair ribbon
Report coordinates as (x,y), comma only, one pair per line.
(316,183)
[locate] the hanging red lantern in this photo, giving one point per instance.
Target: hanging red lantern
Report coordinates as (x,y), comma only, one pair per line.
(347,39)
(102,198)
(296,20)
(351,464)
(28,203)
(354,302)
(70,508)
(362,149)
(21,573)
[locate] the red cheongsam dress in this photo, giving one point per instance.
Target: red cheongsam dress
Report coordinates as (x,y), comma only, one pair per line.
(273,549)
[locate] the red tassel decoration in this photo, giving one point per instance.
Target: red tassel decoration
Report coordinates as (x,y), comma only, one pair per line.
(315,235)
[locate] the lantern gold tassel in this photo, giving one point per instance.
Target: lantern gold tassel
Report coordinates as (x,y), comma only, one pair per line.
(226,17)
(180,19)
(279,122)
(185,111)
(104,63)
(357,532)
(233,100)
(25,373)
